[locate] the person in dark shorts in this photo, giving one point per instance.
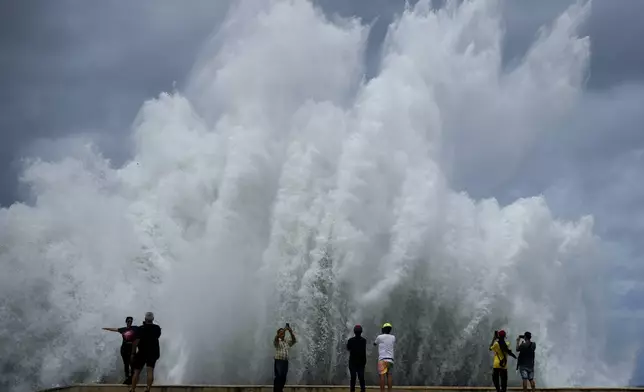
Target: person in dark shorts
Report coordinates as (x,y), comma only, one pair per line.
(525,364)
(145,350)
(127,333)
(357,347)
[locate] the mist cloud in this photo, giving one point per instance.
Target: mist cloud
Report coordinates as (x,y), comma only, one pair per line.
(80,74)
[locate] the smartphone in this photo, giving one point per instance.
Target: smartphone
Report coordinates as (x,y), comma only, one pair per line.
(288,325)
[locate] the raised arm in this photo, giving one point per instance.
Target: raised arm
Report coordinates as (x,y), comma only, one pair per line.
(493,340)
(293,339)
(110,329)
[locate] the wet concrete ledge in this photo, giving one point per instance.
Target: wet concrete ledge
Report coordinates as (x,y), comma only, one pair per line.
(307,388)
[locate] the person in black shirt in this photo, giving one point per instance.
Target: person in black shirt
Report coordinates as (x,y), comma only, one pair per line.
(357,347)
(127,333)
(145,350)
(525,363)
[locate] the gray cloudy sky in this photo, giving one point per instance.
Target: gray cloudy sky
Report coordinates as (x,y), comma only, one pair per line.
(70,68)
(84,67)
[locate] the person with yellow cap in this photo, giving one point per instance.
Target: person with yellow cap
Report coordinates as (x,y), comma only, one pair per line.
(385,342)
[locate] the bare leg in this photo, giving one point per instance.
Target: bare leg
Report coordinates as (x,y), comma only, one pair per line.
(390,381)
(150,371)
(382,382)
(532,385)
(135,379)
(525,385)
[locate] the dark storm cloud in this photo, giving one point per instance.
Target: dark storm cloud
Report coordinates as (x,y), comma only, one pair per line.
(85,67)
(78,71)
(617,29)
(71,68)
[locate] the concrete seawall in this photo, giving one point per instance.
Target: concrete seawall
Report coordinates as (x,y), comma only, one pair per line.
(306,388)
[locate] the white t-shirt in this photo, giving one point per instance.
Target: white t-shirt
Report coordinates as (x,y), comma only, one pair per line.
(385,343)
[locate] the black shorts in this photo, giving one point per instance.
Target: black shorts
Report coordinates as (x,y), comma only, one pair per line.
(126,351)
(143,359)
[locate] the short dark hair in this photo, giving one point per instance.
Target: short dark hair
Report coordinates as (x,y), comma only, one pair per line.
(527,335)
(386,330)
(129,318)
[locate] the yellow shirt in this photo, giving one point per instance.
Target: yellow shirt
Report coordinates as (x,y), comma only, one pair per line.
(498,355)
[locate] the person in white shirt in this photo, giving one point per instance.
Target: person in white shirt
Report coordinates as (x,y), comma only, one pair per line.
(385,343)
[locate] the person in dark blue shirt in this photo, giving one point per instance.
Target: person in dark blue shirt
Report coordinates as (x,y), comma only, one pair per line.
(357,347)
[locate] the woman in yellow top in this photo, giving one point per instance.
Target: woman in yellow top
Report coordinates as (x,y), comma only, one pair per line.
(500,367)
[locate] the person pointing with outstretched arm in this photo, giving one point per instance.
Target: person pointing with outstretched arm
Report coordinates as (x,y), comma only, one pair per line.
(127,333)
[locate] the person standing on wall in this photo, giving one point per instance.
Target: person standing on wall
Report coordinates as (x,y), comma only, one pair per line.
(526,348)
(282,346)
(127,333)
(385,343)
(357,347)
(500,366)
(145,350)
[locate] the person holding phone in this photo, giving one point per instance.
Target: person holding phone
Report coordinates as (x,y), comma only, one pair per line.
(525,364)
(282,346)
